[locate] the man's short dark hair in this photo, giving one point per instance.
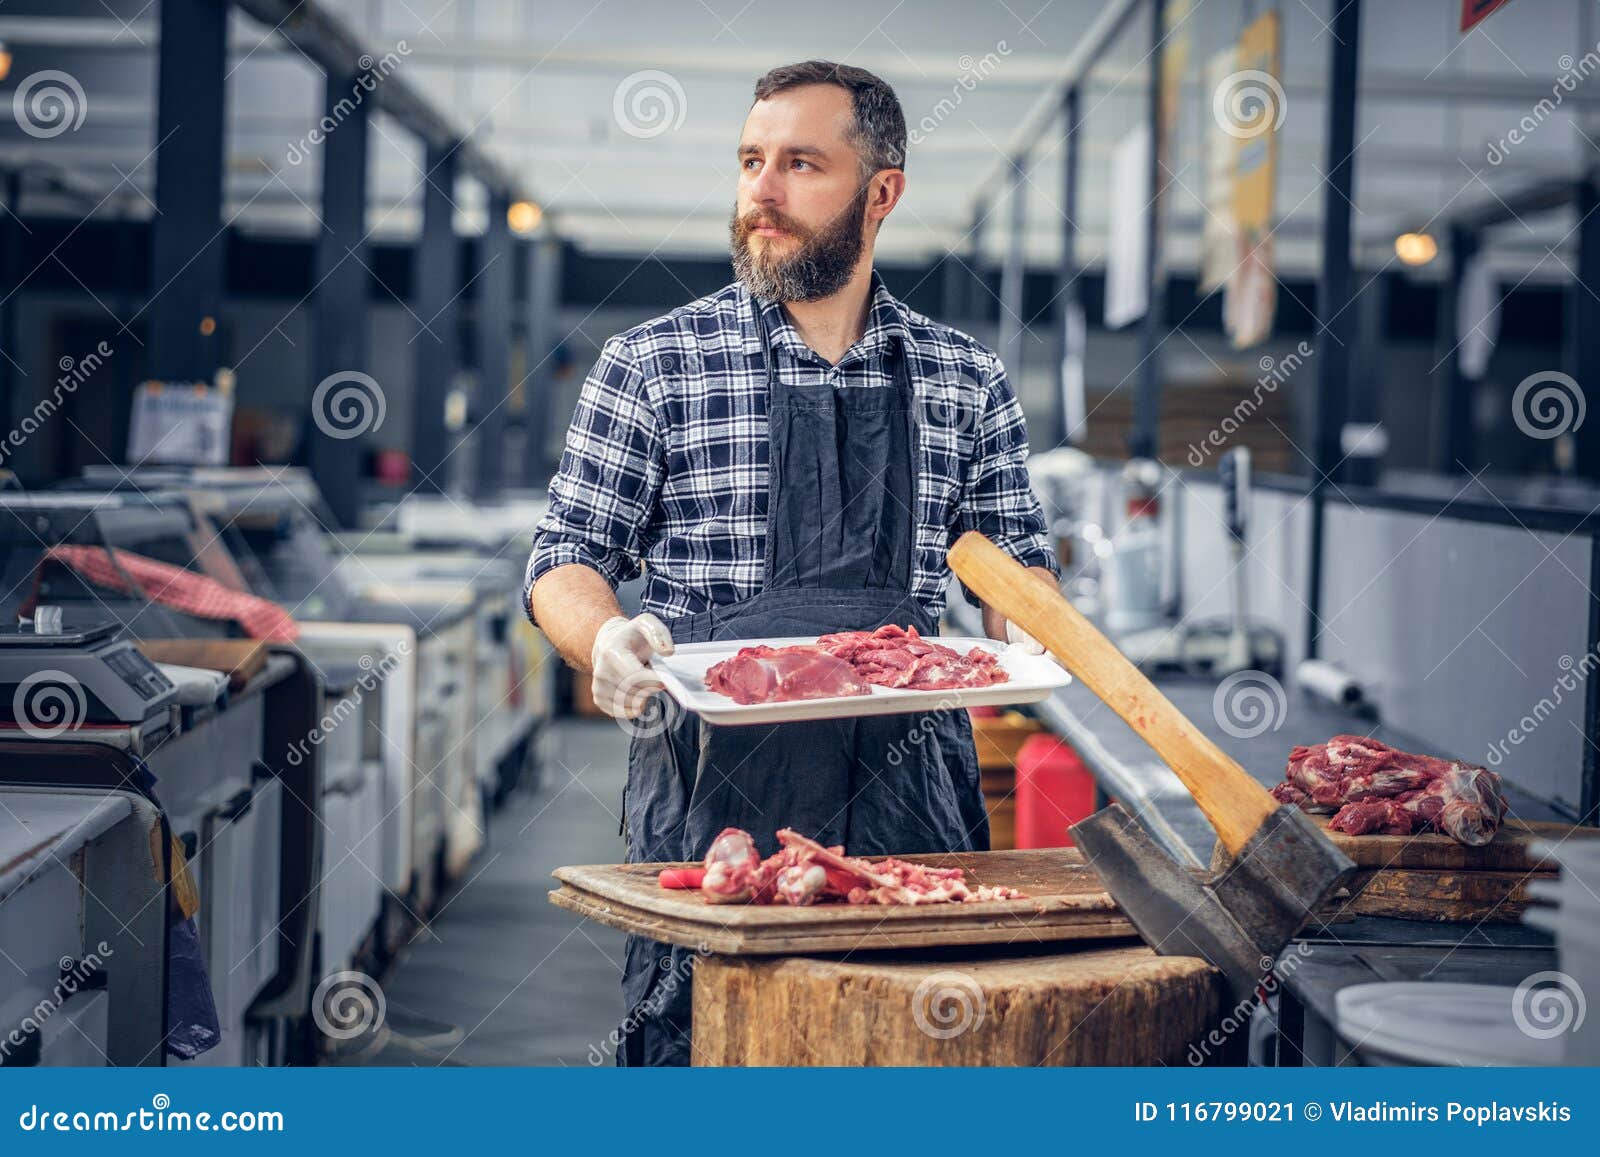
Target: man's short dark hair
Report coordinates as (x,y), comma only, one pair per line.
(879,132)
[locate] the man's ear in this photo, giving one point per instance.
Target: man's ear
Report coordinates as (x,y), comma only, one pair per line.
(888,186)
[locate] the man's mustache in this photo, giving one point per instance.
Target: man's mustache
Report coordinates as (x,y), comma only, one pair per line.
(767,218)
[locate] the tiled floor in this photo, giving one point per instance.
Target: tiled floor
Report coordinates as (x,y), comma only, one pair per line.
(521,982)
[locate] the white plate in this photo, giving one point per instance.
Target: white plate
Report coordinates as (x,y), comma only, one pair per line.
(1033,677)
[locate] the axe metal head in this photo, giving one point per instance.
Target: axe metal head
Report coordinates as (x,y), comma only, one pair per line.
(1241,916)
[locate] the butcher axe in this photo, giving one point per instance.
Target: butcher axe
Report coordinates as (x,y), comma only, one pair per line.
(1279,868)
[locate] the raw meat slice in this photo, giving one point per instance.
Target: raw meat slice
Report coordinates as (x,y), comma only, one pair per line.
(780,674)
(895,656)
(1381,789)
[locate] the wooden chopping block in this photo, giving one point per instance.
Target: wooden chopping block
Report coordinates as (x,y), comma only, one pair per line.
(1473,897)
(1117,1005)
(240,659)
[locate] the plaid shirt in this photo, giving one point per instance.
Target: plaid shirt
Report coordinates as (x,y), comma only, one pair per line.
(666,458)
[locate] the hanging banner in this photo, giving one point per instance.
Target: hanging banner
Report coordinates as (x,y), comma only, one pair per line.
(1473,11)
(1218,251)
(1251,108)
(1128,246)
(1174,64)
(187,424)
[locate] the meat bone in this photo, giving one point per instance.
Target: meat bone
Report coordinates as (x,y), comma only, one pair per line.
(1280,866)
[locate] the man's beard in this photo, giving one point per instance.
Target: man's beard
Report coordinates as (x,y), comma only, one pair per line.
(821,265)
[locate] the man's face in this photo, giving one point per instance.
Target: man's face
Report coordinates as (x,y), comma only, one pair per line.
(798,225)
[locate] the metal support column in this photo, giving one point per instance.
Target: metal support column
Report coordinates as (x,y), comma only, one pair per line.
(952,284)
(1070,407)
(977,281)
(1583,312)
(1454,448)
(10,277)
(1012,275)
(340,362)
(187,244)
(493,333)
(1144,440)
(1335,320)
(437,287)
(544,305)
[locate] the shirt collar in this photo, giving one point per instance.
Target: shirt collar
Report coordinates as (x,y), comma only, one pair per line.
(886,323)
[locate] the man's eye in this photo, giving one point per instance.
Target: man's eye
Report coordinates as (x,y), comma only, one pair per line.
(802,164)
(750,161)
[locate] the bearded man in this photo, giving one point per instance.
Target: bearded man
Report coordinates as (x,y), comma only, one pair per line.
(792,455)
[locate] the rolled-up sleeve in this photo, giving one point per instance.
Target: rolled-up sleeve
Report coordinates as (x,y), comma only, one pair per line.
(604,491)
(997,500)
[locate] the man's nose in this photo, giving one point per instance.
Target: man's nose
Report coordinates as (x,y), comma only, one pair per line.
(766,187)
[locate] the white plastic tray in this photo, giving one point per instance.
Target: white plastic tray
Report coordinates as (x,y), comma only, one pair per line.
(1033,677)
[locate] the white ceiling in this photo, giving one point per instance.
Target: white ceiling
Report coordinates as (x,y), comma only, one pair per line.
(536,84)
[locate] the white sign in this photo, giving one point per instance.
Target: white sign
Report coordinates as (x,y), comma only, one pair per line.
(184,424)
(1127,253)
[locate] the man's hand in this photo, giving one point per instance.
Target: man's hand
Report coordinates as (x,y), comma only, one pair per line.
(1017,637)
(997,626)
(623,681)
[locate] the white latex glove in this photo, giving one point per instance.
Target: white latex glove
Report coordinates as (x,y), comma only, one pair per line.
(1017,637)
(623,682)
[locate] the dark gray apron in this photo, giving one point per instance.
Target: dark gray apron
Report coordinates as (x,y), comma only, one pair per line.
(839,556)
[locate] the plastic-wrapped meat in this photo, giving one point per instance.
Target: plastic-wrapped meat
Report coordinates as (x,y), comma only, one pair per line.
(781,674)
(734,872)
(1380,789)
(1463,802)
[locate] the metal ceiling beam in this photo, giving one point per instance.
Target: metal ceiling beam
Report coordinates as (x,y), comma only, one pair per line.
(334,48)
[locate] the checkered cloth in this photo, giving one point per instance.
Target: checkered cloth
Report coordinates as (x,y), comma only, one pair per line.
(182,590)
(666,459)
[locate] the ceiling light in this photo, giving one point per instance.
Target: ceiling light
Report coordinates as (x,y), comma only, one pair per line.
(1416,248)
(524,216)
(5,60)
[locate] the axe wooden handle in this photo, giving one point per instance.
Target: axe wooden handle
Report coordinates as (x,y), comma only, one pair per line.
(1233,801)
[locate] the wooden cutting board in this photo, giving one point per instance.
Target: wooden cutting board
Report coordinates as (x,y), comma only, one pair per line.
(240,659)
(1507,852)
(1066,901)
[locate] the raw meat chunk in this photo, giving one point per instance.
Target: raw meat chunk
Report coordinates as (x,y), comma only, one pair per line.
(782,674)
(1375,788)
